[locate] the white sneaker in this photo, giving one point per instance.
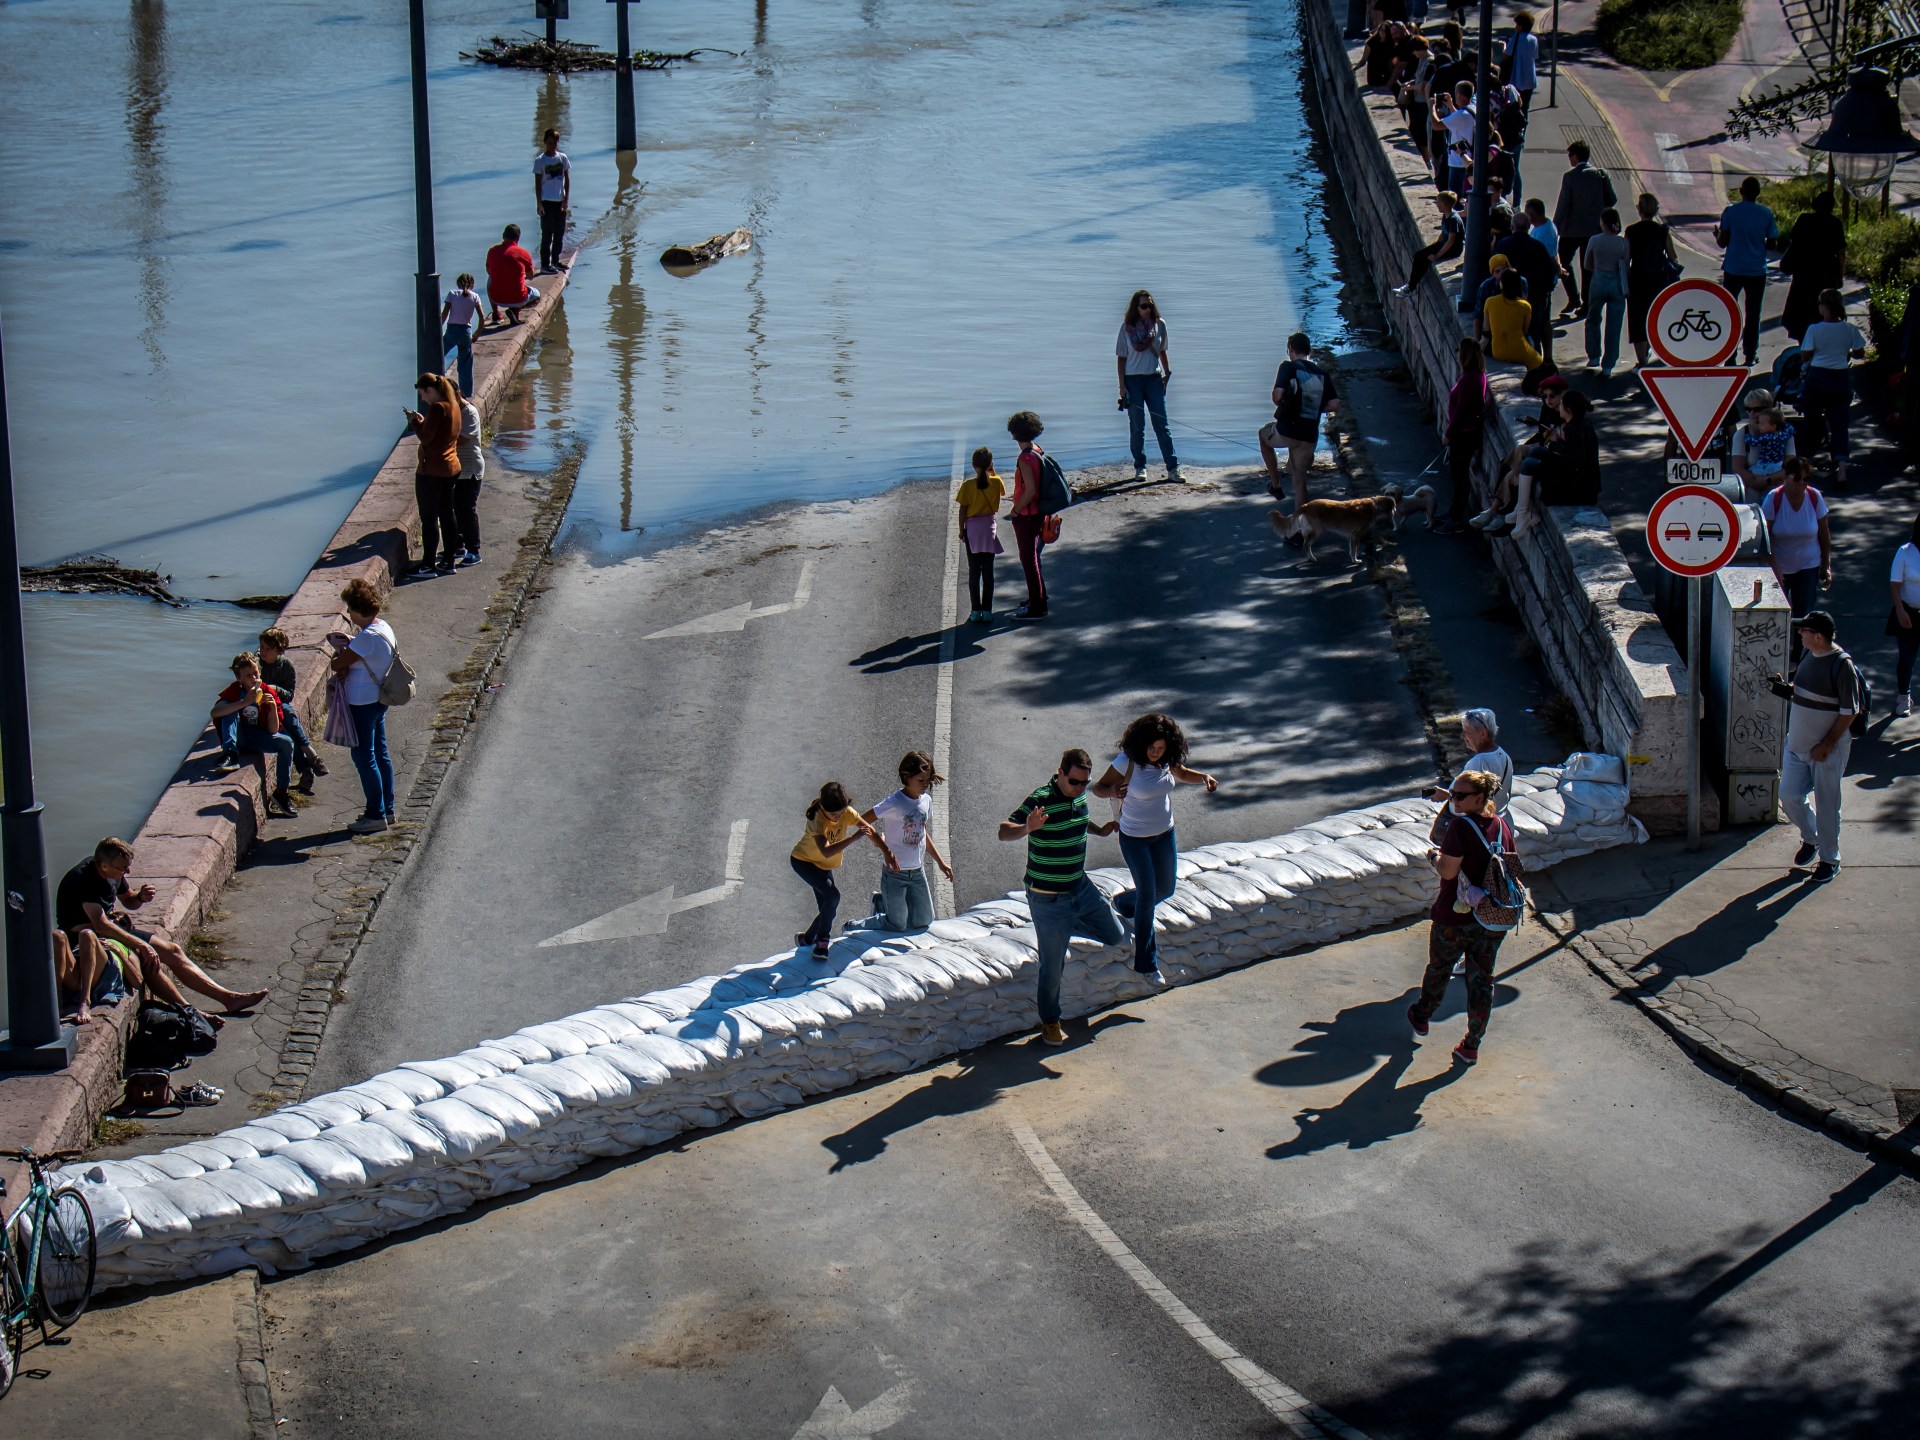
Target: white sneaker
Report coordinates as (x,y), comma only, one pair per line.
(1139,474)
(1903,705)
(1484,518)
(1459,968)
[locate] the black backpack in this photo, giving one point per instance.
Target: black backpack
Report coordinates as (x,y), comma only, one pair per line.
(167,1036)
(1055,493)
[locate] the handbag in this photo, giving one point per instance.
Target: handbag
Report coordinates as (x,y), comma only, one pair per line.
(339,729)
(1502,905)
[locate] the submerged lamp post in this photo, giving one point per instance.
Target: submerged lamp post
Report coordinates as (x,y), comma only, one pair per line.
(430,359)
(624,137)
(1864,138)
(1479,243)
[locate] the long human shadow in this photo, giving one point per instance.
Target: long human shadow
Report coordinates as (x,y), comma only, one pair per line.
(1379,1109)
(1725,937)
(986,1076)
(1359,1036)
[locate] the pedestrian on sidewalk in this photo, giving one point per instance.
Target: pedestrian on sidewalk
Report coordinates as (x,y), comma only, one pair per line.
(437,424)
(460,315)
(1903,621)
(1470,407)
(1606,264)
(1029,525)
(361,662)
(1513,238)
(1480,733)
(1302,393)
(1475,833)
(1825,696)
(979,503)
(509,272)
(1446,245)
(1523,58)
(1652,265)
(1760,448)
(1062,900)
(1802,559)
(1459,122)
(905,821)
(248,716)
(1832,344)
(1746,232)
(832,825)
(466,485)
(1510,129)
(1140,357)
(1815,260)
(553,193)
(277,670)
(1140,782)
(1585,191)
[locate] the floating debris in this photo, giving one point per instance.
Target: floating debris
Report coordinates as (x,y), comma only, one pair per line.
(536,52)
(685,259)
(99,575)
(275,603)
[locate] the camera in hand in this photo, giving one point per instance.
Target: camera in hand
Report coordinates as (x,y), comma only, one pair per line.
(1122,403)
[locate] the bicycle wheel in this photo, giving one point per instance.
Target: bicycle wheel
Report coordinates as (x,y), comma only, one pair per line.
(9,1332)
(67,1255)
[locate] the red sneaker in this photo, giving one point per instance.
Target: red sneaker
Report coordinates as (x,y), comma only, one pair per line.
(1466,1054)
(1419,1025)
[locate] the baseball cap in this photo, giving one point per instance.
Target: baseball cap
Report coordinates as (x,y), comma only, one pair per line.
(1818,621)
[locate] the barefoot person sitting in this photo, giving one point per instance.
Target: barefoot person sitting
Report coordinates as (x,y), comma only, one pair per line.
(77,969)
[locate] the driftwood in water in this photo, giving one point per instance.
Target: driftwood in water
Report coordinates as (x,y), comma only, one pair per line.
(533,52)
(99,575)
(685,259)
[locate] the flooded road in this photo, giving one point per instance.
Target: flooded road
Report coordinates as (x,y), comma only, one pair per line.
(206,276)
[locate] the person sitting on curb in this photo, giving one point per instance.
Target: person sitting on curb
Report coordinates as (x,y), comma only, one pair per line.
(509,269)
(1507,316)
(278,672)
(77,969)
(90,897)
(1546,426)
(1497,268)
(1449,243)
(1564,470)
(249,718)
(1062,900)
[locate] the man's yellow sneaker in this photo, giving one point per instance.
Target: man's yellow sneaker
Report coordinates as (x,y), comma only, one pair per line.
(1052,1033)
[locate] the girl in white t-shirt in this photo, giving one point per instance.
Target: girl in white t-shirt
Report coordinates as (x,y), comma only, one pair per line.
(460,313)
(1904,622)
(1140,780)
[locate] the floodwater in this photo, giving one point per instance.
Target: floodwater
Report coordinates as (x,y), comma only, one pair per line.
(206,255)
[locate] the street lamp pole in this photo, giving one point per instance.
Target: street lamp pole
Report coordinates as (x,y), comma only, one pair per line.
(37,1040)
(624,136)
(430,357)
(1479,203)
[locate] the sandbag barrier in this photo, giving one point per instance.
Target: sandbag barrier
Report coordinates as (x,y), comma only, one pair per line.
(433,1137)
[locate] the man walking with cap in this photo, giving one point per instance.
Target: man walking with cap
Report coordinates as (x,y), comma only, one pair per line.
(1063,901)
(1825,696)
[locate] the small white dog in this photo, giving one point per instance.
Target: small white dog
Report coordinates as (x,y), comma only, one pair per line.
(1421,500)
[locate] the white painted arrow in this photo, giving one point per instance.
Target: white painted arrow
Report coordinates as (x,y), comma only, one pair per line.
(834,1419)
(649,914)
(737,616)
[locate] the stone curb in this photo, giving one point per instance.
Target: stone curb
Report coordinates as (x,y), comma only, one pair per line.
(1866,1133)
(431,1138)
(201,825)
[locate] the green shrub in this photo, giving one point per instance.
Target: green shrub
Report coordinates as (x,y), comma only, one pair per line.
(1668,34)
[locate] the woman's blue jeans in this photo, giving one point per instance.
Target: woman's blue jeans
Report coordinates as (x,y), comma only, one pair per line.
(1606,304)
(1147,395)
(460,338)
(1153,861)
(370,758)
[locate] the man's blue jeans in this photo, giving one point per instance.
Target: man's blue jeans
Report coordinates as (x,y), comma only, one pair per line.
(371,760)
(1153,861)
(237,735)
(1147,395)
(1083,910)
(906,899)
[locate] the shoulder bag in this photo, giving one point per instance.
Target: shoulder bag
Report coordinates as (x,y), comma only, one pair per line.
(397,685)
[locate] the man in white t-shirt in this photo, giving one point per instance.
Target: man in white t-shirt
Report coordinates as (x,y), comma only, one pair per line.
(1826,694)
(552,190)
(904,819)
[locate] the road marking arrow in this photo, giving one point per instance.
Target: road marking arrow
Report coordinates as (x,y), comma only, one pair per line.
(834,1419)
(649,914)
(736,617)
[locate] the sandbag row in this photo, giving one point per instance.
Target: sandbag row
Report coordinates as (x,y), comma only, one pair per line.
(432,1137)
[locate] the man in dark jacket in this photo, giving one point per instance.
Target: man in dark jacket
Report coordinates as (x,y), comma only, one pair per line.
(1536,266)
(1585,192)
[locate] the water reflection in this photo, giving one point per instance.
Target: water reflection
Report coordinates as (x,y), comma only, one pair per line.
(146,163)
(626,319)
(553,111)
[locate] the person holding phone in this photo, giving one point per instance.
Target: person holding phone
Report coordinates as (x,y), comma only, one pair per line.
(360,661)
(437,424)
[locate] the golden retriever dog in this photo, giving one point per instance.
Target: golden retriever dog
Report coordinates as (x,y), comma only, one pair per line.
(1354,519)
(1420,501)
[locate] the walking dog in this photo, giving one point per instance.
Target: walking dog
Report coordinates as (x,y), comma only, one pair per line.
(1404,505)
(1353,519)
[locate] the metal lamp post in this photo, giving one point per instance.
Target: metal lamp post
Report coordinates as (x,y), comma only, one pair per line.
(624,136)
(430,358)
(1480,201)
(37,1039)
(1864,138)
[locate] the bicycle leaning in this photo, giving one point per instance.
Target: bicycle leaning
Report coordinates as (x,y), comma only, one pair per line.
(47,1255)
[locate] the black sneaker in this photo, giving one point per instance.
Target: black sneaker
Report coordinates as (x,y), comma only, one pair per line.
(1420,1027)
(280,806)
(1824,872)
(1804,856)
(229,762)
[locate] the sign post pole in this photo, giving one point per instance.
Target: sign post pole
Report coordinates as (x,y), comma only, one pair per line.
(1695,604)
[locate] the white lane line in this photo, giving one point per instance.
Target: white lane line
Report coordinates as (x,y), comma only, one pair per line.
(1675,162)
(1299,1415)
(943,685)
(736,849)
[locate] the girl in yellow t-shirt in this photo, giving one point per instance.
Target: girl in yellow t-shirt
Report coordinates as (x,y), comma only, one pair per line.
(979,502)
(833,823)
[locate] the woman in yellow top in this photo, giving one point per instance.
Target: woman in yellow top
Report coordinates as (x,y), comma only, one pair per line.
(979,502)
(1507,317)
(833,823)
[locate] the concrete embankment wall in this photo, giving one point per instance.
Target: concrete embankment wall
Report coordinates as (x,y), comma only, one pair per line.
(1597,633)
(202,823)
(432,1137)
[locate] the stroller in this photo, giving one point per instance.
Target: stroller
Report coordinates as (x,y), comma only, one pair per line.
(1789,379)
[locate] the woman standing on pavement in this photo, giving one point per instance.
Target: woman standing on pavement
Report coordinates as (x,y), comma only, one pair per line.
(1029,524)
(979,502)
(1474,833)
(1796,516)
(1469,408)
(1140,780)
(437,424)
(1140,357)
(1607,266)
(1816,258)
(466,486)
(1651,267)
(361,662)
(832,825)
(1832,344)
(1903,623)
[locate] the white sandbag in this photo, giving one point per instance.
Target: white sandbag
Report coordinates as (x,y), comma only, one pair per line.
(1376,847)
(607,1086)
(333,1167)
(253,1195)
(418,1088)
(678,1056)
(889,984)
(636,1065)
(155,1213)
(293,1184)
(519,1119)
(325,1111)
(1232,889)
(382,1095)
(113,1222)
(293,1127)
(1605,769)
(1609,801)
(175,1166)
(642,1017)
(464,1131)
(423,1139)
(735,1031)
(453,1073)
(861,999)
(382,1153)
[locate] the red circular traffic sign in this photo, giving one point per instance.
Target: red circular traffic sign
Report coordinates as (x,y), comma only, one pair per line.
(1693,323)
(1693,530)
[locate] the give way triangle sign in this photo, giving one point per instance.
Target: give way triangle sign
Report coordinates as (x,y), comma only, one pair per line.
(1695,399)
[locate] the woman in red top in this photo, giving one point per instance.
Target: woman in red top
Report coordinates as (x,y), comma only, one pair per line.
(1473,833)
(1027,519)
(437,423)
(1469,407)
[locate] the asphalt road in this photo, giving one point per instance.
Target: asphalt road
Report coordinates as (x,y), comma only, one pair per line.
(613,765)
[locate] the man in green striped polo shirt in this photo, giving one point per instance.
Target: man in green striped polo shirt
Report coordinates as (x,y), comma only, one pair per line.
(1063,901)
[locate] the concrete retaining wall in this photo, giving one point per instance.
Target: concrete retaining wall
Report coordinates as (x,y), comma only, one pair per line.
(1598,635)
(432,1137)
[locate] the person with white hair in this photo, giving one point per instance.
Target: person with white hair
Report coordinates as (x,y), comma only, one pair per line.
(1480,730)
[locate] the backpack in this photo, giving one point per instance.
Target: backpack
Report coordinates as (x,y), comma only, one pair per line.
(1055,493)
(167,1036)
(1503,907)
(1863,701)
(397,685)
